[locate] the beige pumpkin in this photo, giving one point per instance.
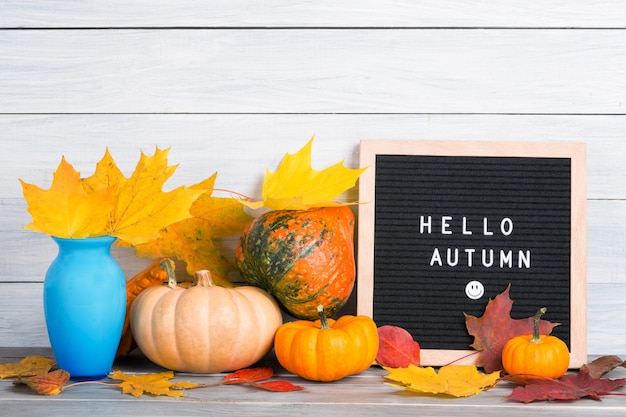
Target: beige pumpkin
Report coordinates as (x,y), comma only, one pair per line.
(204,328)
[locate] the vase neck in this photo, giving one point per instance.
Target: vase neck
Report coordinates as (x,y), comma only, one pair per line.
(88,243)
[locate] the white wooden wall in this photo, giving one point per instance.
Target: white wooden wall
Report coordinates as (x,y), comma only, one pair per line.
(231,86)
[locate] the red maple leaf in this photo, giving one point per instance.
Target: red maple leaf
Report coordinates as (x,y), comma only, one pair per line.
(397,348)
(568,387)
(257,377)
(246,375)
(496,327)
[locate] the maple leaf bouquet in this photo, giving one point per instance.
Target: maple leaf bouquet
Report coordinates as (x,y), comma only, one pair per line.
(109,204)
(84,287)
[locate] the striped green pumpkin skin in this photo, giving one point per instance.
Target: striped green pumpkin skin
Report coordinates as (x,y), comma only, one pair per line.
(304,258)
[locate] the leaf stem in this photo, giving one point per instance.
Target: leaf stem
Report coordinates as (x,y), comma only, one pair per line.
(108,384)
(234,192)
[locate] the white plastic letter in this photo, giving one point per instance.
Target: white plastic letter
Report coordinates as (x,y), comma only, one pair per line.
(485,231)
(436,258)
(470,256)
(506,258)
(487,264)
(456,257)
(506,226)
(524,259)
(465,231)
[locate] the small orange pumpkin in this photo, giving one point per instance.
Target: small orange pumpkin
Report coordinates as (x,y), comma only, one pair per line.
(325,349)
(204,328)
(536,355)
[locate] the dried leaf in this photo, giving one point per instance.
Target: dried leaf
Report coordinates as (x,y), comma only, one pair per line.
(397,349)
(295,185)
(29,366)
(496,327)
(256,377)
(452,380)
(192,240)
(156,384)
(249,374)
(277,386)
(51,383)
(185,385)
(568,387)
(603,365)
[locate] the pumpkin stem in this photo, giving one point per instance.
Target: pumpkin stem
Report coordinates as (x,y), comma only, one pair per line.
(323,319)
(203,279)
(540,312)
(167,266)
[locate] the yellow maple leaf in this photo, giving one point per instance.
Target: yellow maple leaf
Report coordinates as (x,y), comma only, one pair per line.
(29,366)
(192,240)
(156,384)
(142,208)
(133,209)
(452,380)
(67,209)
(295,185)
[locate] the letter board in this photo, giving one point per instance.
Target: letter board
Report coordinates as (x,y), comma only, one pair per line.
(444,226)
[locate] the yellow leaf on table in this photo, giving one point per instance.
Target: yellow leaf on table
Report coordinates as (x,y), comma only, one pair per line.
(295,185)
(453,380)
(67,209)
(156,384)
(29,366)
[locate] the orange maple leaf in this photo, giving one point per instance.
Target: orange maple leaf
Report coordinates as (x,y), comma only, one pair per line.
(193,240)
(51,383)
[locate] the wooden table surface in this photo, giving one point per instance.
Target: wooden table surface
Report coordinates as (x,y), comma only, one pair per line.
(360,395)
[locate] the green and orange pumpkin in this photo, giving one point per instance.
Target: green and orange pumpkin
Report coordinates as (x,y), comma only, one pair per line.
(304,258)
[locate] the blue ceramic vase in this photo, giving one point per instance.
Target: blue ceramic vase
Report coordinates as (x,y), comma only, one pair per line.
(84,304)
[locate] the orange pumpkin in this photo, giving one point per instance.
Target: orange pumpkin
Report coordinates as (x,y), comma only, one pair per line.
(204,328)
(536,355)
(327,350)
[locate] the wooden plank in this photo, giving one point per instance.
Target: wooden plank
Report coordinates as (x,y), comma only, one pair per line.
(22,320)
(364,394)
(239,147)
(313,71)
(323,13)
(26,255)
(203,144)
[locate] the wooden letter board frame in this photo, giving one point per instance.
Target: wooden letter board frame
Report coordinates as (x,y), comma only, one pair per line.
(458,151)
